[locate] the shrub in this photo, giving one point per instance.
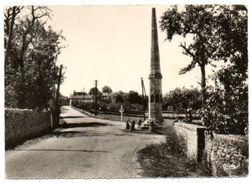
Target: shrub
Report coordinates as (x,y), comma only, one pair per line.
(175,143)
(226,112)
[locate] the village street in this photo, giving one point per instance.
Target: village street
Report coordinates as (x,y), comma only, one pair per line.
(83,147)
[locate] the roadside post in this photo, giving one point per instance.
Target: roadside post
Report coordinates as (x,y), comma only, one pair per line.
(170,109)
(121,110)
(51,115)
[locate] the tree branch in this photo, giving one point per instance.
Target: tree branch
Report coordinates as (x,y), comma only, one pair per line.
(30,27)
(186,49)
(187,68)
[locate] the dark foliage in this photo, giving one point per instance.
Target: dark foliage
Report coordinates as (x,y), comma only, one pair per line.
(31,51)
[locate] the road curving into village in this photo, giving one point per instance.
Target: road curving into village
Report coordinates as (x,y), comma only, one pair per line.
(84,147)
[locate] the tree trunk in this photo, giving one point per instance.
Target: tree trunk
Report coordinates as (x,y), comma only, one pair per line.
(22,96)
(9,37)
(203,84)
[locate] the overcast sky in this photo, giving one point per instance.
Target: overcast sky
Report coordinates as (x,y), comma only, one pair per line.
(112,44)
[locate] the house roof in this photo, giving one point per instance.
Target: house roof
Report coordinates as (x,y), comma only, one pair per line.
(79,93)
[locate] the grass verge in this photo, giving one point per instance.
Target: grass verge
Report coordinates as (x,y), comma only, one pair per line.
(169,159)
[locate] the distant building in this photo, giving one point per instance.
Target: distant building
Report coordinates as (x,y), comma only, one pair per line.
(63,100)
(80,98)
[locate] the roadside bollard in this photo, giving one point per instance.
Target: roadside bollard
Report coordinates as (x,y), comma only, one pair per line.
(139,122)
(127,124)
(132,127)
(151,126)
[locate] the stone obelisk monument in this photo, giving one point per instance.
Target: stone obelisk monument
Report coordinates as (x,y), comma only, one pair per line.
(155,77)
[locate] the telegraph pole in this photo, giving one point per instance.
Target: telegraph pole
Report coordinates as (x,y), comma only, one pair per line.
(57,107)
(96,93)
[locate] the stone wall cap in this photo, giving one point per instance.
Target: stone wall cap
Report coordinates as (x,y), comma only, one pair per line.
(190,126)
(230,137)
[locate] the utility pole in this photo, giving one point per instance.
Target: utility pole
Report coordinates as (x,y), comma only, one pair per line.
(144,97)
(96,93)
(57,107)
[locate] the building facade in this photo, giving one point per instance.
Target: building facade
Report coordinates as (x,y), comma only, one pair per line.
(80,99)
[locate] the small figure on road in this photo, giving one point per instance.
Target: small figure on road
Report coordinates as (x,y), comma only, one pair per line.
(128,124)
(132,127)
(151,125)
(139,122)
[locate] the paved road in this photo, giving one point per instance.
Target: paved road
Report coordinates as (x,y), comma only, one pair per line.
(84,147)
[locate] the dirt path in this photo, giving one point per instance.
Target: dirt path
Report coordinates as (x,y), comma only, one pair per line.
(85,148)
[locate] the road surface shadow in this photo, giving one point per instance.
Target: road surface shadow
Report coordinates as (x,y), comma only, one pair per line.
(71,134)
(86,124)
(62,117)
(64,150)
(60,133)
(142,131)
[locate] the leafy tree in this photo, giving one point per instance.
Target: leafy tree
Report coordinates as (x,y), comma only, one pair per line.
(106,99)
(182,98)
(93,91)
(195,21)
(107,90)
(119,97)
(31,50)
(131,101)
(127,106)
(134,97)
(219,35)
(226,110)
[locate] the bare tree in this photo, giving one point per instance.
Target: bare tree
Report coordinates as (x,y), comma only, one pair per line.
(9,21)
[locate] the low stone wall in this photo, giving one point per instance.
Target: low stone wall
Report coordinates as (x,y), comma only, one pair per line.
(21,125)
(227,155)
(194,139)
